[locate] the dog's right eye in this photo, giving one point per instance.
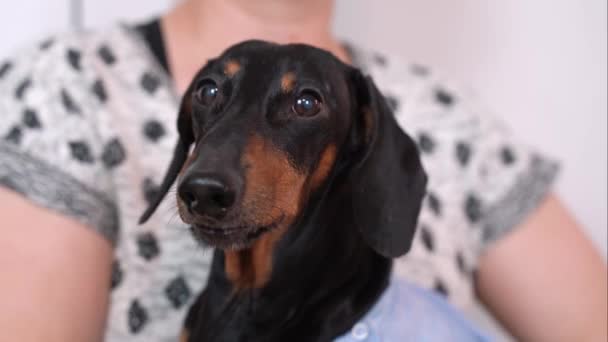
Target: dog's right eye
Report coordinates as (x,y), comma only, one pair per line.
(207,92)
(307,104)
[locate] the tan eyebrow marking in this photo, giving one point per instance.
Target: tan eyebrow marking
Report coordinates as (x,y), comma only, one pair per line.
(288,81)
(232,67)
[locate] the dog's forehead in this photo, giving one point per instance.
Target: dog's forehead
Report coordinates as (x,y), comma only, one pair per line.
(264,57)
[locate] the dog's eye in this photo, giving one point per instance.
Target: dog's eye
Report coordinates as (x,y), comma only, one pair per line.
(206,92)
(307,104)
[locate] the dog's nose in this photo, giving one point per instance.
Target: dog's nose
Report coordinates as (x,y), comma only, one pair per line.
(206,195)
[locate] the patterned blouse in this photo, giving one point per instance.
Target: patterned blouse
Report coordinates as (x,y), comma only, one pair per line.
(88,126)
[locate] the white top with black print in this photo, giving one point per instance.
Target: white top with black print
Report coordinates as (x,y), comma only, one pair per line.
(88,126)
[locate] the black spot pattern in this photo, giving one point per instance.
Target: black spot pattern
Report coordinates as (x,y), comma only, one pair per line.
(5,68)
(444,98)
(463,153)
(113,154)
(47,44)
(434,203)
(22,88)
(149,82)
(379,59)
(427,238)
(80,151)
(461,264)
(137,317)
(419,70)
(178,292)
(68,102)
(483,172)
(106,55)
(472,208)
(117,274)
(99,90)
(150,190)
(441,288)
(147,246)
(154,130)
(73,57)
(393,103)
(426,143)
(30,119)
(14,135)
(507,156)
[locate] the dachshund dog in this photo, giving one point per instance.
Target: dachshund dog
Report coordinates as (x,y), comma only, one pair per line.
(292,165)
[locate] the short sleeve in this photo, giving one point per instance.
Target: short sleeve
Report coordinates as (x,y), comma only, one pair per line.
(50,150)
(482,177)
(513,178)
(483,181)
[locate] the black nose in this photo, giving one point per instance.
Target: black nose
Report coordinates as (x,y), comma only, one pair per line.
(206,195)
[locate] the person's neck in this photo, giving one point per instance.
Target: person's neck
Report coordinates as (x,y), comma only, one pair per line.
(198,30)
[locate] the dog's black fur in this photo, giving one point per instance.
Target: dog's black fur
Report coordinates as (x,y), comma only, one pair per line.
(357,177)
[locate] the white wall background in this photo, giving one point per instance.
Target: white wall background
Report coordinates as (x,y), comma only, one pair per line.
(540,64)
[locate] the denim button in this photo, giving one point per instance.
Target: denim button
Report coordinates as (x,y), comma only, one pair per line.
(360,331)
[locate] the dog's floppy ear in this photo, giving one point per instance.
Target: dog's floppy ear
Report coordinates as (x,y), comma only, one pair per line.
(180,154)
(387,182)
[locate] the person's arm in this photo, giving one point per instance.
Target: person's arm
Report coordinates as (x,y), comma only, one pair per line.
(55,277)
(545,281)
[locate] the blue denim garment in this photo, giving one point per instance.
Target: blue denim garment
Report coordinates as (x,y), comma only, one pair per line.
(408,313)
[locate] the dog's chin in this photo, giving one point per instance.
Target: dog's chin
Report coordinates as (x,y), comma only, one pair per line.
(230,238)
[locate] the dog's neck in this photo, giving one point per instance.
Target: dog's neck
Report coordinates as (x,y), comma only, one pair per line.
(322,278)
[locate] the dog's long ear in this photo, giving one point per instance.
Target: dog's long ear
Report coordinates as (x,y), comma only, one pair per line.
(180,154)
(388,182)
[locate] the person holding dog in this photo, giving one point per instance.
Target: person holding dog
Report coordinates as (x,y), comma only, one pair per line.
(88,127)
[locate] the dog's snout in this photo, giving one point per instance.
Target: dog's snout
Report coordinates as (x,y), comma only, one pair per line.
(207,195)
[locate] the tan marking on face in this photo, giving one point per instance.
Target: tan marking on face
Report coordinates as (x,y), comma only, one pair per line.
(324,166)
(239,268)
(231,67)
(288,81)
(252,267)
(272,184)
(273,193)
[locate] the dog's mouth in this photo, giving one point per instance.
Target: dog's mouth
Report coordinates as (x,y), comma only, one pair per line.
(232,237)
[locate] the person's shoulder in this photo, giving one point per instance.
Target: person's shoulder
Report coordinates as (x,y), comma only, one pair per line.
(418,93)
(53,140)
(73,69)
(65,55)
(480,174)
(388,69)
(444,116)
(391,67)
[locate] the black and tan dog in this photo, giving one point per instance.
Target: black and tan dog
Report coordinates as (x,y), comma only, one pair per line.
(302,179)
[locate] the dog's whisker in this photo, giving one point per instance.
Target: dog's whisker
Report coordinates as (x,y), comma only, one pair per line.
(173,218)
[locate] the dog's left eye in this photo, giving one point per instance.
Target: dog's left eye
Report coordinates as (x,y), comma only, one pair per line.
(307,104)
(206,92)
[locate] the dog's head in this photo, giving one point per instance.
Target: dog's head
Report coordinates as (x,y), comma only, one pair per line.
(270,126)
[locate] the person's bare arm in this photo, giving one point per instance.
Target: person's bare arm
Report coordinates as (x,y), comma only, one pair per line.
(545,281)
(55,276)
